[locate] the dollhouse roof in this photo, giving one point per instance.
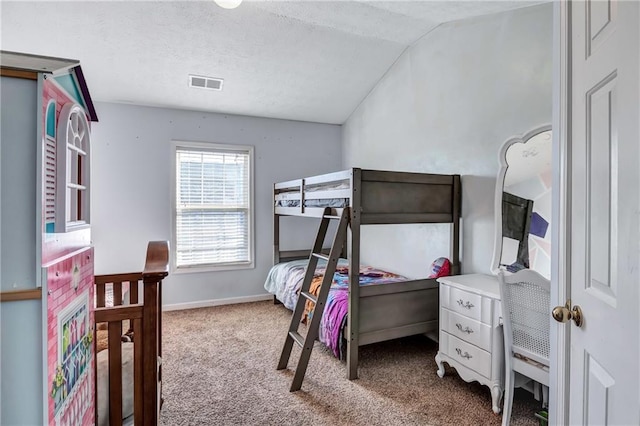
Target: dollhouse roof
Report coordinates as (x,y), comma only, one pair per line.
(67,72)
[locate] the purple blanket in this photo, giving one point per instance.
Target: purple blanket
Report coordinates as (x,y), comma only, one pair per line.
(335,312)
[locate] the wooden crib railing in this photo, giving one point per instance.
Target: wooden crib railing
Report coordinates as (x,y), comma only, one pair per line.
(146,323)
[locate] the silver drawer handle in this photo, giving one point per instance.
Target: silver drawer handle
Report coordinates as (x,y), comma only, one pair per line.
(463,355)
(465,329)
(465,304)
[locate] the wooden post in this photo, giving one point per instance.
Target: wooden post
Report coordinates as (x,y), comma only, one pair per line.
(156,268)
(276,231)
(353,340)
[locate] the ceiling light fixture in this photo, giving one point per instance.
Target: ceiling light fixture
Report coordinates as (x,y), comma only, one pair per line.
(228,4)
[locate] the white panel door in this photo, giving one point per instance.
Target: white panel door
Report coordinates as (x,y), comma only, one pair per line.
(605,211)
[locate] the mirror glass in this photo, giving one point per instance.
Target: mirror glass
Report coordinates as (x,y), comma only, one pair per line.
(523,204)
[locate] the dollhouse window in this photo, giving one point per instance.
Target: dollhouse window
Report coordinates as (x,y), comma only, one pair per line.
(72,177)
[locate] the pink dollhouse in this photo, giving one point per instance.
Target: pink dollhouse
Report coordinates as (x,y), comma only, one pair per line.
(47,287)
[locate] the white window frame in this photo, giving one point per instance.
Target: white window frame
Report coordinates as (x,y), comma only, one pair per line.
(211,147)
(73,162)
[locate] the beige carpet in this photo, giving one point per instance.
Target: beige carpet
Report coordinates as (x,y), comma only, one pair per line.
(219,368)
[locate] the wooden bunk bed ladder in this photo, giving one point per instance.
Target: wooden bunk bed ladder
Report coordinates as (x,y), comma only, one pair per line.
(293,336)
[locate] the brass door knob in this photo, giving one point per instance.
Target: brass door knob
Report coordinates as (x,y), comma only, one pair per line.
(566,313)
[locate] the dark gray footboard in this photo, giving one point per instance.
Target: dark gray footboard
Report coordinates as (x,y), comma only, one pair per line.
(391,311)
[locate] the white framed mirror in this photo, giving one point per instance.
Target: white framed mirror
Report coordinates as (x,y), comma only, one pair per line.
(523,204)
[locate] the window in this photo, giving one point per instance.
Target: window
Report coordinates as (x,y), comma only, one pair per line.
(73,142)
(212,217)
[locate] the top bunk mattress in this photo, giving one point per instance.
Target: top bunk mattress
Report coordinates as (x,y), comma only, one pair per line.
(334,192)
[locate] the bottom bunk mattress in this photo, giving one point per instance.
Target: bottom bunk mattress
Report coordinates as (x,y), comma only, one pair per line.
(285,280)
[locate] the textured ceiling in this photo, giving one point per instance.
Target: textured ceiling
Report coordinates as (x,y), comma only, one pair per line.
(299,60)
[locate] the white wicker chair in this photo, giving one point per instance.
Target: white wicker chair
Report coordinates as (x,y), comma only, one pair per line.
(526,316)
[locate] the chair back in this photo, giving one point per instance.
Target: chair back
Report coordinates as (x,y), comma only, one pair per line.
(525,311)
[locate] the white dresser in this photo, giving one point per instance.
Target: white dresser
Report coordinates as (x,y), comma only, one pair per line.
(471,338)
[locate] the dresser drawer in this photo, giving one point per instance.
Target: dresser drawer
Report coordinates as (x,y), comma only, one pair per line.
(467,329)
(468,304)
(467,354)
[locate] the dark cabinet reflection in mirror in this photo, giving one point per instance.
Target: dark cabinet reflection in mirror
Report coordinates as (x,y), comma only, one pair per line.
(516,221)
(523,204)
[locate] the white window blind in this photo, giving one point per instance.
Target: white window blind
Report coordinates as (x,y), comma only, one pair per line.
(212,216)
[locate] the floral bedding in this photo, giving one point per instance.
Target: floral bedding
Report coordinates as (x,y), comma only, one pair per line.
(285,280)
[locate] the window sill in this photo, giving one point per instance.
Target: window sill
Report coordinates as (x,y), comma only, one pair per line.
(74,226)
(211,268)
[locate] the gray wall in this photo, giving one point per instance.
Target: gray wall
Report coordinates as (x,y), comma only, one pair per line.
(446,106)
(131,155)
(21,336)
(18,182)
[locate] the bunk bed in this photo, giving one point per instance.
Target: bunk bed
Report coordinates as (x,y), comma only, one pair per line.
(376,312)
(128,379)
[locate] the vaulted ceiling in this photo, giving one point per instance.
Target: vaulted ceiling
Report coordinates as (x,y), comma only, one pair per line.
(299,60)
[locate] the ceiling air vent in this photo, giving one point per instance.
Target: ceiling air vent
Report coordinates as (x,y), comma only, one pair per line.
(201,82)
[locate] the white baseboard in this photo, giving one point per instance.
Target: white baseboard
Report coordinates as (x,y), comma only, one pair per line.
(216,302)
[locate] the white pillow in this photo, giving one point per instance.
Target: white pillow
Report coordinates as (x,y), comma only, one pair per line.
(103,383)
